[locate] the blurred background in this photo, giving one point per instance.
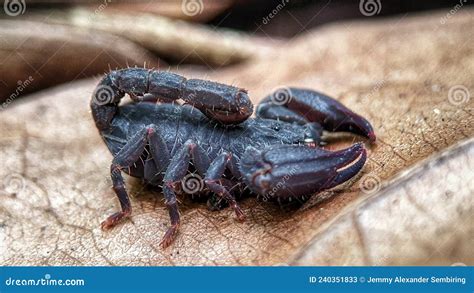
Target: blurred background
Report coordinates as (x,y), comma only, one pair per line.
(44,43)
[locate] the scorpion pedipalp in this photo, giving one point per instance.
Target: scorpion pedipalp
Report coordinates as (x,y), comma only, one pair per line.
(311,106)
(298,171)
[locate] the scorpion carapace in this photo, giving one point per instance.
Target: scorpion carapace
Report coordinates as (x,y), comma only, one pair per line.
(176,125)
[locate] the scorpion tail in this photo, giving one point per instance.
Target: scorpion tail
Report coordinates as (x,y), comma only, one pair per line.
(219,102)
(297,171)
(104,102)
(112,88)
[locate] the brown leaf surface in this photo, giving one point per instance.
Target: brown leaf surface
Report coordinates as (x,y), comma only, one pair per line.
(56,187)
(35,55)
(202,11)
(165,36)
(425,214)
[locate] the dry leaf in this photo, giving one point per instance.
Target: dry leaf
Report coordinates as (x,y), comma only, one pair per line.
(425,213)
(192,10)
(196,11)
(398,74)
(166,37)
(35,55)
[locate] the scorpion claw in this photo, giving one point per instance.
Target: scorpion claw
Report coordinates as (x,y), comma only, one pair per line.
(322,109)
(239,214)
(354,123)
(292,170)
(353,160)
(170,235)
(113,220)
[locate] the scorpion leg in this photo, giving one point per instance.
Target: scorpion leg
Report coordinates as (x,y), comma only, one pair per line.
(159,154)
(175,173)
(214,181)
(301,105)
(125,158)
(275,174)
(216,202)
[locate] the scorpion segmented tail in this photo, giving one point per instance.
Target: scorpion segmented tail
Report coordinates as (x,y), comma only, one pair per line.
(219,102)
(136,83)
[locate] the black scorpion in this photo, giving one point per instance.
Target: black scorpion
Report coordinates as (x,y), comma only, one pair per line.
(274,155)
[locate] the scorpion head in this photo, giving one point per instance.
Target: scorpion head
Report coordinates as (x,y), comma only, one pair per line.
(289,133)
